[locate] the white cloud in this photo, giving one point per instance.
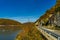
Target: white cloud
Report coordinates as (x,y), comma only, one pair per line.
(24,19)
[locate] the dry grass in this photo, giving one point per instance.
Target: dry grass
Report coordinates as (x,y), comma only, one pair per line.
(29,33)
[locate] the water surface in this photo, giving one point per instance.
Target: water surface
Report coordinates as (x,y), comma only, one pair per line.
(8,35)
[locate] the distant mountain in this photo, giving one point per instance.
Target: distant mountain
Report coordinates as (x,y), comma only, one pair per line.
(9,24)
(28,25)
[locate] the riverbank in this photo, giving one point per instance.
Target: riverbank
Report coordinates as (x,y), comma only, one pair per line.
(29,33)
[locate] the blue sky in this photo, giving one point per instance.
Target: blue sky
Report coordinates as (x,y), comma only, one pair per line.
(24,10)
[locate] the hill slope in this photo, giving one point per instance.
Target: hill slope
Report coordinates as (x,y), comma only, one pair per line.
(29,32)
(9,24)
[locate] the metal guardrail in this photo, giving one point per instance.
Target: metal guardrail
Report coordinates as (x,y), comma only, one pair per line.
(51,33)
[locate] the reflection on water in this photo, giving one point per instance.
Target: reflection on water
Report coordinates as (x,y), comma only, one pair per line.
(8,35)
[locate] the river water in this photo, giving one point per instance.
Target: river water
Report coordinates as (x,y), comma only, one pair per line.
(8,35)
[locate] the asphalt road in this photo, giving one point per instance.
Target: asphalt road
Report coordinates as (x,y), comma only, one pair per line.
(55,33)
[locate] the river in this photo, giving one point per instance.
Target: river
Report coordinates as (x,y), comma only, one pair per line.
(8,35)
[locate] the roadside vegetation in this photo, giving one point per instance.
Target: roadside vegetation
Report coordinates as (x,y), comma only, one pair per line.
(29,33)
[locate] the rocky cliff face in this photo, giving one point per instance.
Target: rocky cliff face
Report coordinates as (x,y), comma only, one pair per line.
(52,13)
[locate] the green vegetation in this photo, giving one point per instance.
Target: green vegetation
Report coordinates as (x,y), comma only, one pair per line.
(57,9)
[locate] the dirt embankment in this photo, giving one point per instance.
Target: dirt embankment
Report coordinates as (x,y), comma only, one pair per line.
(29,33)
